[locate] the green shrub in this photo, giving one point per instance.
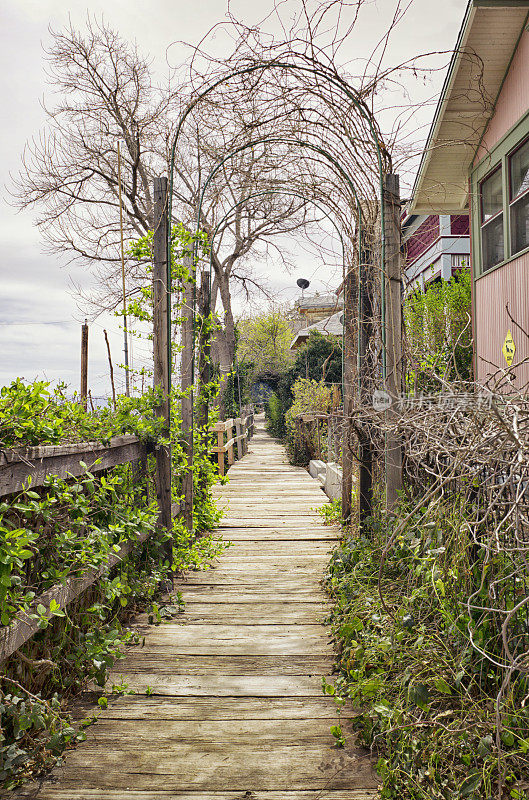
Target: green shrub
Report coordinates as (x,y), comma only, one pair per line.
(439,333)
(425,697)
(275,416)
(310,397)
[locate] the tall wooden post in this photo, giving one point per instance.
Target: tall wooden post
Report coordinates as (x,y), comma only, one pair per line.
(204,353)
(186,384)
(349,358)
(393,383)
(84,364)
(162,351)
(366,371)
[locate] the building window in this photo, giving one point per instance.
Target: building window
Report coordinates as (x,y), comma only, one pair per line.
(491,197)
(519,198)
(500,208)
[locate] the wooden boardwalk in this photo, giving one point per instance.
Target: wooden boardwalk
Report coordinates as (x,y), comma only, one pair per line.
(228,702)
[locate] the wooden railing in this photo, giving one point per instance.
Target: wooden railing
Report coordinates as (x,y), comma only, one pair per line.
(17,466)
(243,432)
(322,434)
(64,460)
(70,461)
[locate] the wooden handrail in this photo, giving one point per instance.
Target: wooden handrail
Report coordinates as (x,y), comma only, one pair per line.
(243,432)
(17,464)
(63,460)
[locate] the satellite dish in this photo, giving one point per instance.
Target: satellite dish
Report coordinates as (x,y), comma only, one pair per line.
(303,283)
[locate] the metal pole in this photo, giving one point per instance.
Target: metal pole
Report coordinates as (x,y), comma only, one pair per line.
(349,349)
(125,325)
(366,371)
(204,352)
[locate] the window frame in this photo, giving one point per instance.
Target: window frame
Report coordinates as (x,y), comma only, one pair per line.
(513,200)
(499,156)
(484,223)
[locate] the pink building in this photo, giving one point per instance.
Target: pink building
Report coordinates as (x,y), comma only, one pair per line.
(435,247)
(477,161)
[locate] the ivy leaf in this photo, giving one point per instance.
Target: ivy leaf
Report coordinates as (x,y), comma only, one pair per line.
(442,686)
(485,746)
(470,784)
(419,695)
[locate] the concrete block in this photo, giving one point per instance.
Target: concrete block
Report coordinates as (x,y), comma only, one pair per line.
(315,467)
(333,481)
(322,474)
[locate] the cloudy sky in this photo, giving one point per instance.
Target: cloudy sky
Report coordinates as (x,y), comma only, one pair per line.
(39,316)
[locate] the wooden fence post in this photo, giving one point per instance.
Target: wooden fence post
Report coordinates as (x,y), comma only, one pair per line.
(204,351)
(229,435)
(188,346)
(238,434)
(220,447)
(348,379)
(84,364)
(393,332)
(366,372)
(162,351)
(246,435)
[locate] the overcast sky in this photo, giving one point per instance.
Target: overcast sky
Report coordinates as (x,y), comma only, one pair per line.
(39,318)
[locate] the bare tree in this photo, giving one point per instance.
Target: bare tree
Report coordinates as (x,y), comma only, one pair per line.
(69,174)
(290,118)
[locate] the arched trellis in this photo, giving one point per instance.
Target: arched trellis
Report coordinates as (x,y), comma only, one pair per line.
(270,140)
(351,185)
(363,111)
(304,144)
(289,141)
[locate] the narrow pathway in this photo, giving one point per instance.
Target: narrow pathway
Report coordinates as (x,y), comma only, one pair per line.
(228,702)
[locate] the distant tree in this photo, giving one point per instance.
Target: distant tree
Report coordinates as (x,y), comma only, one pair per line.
(264,343)
(320,359)
(104,93)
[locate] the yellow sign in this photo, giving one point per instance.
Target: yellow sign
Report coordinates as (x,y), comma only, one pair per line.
(509,348)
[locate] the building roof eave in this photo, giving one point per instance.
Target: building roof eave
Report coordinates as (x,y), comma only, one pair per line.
(473,82)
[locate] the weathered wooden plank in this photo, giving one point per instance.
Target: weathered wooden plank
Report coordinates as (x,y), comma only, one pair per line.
(255,596)
(272,534)
(275,560)
(256,614)
(239,639)
(215,732)
(224,685)
(160,708)
(237,767)
(234,510)
(63,461)
(315,549)
(162,661)
(252,521)
(55,793)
